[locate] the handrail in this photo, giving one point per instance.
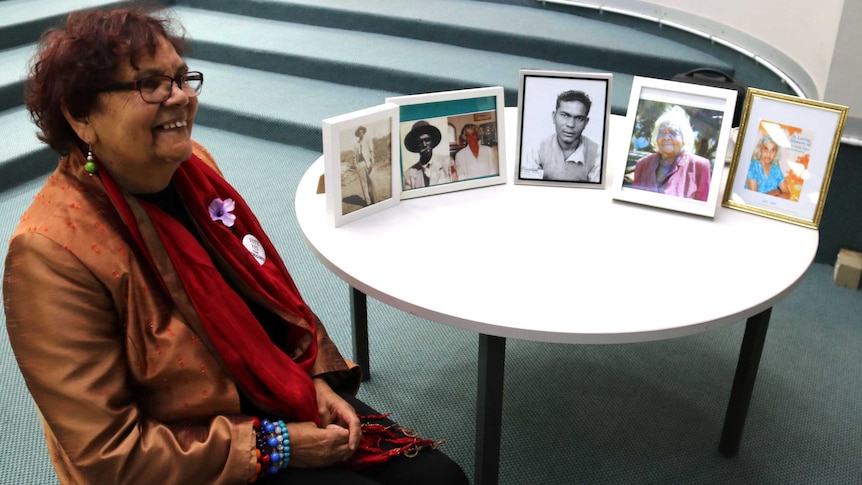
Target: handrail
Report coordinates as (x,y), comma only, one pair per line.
(706,35)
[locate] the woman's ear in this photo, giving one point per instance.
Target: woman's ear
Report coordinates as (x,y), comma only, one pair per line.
(81,126)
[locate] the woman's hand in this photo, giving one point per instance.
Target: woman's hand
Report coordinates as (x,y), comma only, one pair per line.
(335,411)
(313,447)
(334,442)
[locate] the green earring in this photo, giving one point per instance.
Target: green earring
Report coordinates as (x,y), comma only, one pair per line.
(90,167)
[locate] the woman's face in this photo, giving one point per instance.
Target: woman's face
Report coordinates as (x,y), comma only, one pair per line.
(472,138)
(669,140)
(768,151)
(141,144)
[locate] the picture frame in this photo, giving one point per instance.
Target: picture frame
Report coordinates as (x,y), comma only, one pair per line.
(355,186)
(563,123)
(798,136)
(440,120)
(692,182)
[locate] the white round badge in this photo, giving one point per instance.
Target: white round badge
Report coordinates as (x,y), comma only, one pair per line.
(255,248)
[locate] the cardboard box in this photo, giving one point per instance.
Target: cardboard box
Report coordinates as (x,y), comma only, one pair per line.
(848,269)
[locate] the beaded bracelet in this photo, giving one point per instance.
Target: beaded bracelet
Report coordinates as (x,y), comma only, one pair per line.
(273,447)
(285,443)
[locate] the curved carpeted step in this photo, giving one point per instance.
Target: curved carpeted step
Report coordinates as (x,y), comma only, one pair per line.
(492,27)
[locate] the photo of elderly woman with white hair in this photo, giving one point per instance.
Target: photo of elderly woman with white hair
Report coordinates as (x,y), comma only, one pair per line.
(674,168)
(764,172)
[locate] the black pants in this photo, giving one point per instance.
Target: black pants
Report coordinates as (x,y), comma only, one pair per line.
(428,467)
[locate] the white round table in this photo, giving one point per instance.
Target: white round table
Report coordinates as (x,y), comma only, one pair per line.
(561,264)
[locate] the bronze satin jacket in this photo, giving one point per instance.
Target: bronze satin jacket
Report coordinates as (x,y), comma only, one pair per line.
(128,386)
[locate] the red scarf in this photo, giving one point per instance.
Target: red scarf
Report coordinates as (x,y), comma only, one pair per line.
(261,369)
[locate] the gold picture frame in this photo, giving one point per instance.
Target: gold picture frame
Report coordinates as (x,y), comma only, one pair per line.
(799,138)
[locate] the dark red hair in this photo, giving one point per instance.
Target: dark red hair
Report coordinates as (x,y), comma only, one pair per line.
(75,61)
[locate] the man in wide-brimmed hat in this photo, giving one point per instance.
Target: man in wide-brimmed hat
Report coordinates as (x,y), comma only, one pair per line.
(430,169)
(363,152)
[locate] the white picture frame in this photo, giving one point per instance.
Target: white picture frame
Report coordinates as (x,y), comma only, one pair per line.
(348,196)
(444,116)
(542,124)
(685,187)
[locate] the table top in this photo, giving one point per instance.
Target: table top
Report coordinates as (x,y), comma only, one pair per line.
(560,264)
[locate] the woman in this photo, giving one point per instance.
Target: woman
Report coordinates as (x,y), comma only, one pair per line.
(764,172)
(673,169)
(474,160)
(156,327)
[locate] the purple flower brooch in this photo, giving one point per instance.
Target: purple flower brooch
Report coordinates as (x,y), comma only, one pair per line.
(220,210)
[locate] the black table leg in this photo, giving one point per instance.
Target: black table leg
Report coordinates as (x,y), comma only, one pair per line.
(743,382)
(359,318)
(489,409)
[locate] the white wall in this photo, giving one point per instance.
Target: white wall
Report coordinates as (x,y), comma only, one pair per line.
(816,43)
(844,85)
(802,30)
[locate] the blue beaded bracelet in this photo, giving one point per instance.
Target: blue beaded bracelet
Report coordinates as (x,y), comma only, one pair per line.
(285,442)
(274,446)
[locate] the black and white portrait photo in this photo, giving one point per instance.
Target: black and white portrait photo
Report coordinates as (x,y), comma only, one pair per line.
(563,128)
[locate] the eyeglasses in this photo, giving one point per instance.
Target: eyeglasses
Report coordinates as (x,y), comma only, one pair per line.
(157,89)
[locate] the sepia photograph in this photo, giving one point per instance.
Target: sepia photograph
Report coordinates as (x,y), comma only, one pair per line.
(359,174)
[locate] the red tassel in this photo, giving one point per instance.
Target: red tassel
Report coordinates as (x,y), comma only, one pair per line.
(380,442)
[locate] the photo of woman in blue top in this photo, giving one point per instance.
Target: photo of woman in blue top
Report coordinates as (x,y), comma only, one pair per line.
(764,172)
